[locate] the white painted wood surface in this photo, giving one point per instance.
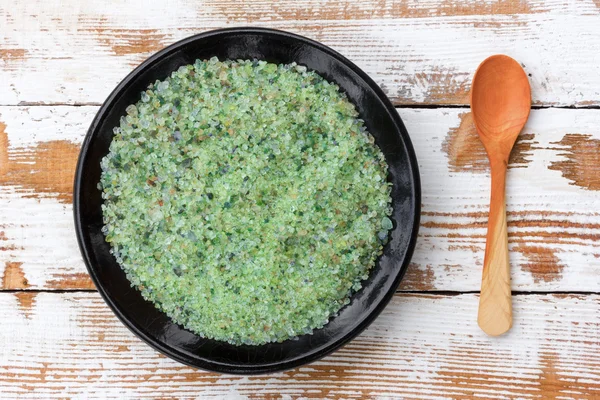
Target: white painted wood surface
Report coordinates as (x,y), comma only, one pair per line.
(422,347)
(73,51)
(56,344)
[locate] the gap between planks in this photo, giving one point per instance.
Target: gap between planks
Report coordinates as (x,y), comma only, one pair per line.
(441,293)
(396,105)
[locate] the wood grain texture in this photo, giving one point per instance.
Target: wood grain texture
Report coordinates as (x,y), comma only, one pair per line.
(420,52)
(495,305)
(71,346)
(38,152)
(547,221)
(500,106)
(553,215)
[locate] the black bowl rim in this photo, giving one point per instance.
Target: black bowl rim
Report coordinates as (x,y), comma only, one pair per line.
(205,363)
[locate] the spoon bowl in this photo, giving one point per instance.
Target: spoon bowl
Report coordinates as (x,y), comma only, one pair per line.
(500,105)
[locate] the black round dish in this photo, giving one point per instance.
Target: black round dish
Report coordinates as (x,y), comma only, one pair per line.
(156,328)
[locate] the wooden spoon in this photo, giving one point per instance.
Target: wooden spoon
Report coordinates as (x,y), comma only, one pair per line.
(500,103)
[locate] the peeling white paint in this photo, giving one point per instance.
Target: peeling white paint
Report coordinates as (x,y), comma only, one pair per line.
(416,49)
(420,347)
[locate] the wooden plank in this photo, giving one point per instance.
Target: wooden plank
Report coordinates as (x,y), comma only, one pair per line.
(552,201)
(553,206)
(420,52)
(38,151)
(71,346)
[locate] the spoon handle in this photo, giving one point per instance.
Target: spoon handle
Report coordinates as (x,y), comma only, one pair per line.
(495,304)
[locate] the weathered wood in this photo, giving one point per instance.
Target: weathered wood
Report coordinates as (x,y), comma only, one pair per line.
(552,200)
(70,345)
(552,214)
(420,52)
(38,152)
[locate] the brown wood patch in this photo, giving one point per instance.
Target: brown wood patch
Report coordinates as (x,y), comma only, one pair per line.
(466,152)
(554,385)
(14,277)
(12,54)
(521,236)
(582,164)
(124,41)
(7,247)
(26,302)
(46,170)
(12,58)
(542,263)
(248,11)
(521,153)
(3,149)
(535,243)
(78,280)
(418,278)
(464,149)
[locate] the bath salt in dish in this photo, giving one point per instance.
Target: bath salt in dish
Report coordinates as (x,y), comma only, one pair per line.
(246,200)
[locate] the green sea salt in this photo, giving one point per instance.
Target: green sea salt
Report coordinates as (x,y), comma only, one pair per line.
(246,200)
